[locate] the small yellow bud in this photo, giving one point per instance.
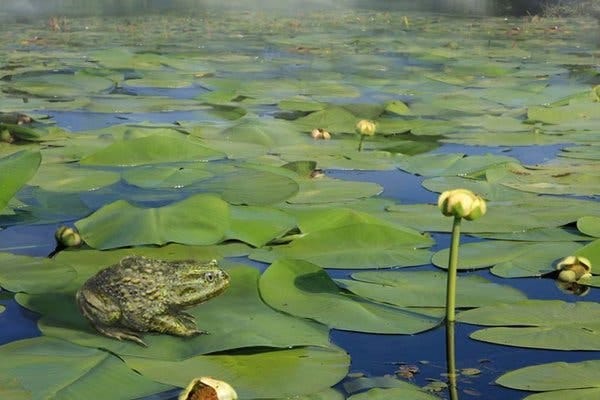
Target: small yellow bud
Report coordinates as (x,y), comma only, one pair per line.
(67,237)
(574,268)
(320,133)
(462,203)
(206,388)
(365,127)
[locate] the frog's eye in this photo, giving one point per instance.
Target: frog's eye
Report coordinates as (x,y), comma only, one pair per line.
(209,277)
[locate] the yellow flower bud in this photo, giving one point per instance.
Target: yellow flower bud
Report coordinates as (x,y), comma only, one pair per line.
(206,388)
(67,237)
(365,127)
(462,203)
(320,133)
(574,268)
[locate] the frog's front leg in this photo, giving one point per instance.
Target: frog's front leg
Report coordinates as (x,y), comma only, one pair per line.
(180,324)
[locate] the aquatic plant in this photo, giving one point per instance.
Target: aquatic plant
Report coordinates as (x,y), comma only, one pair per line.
(364,128)
(457,203)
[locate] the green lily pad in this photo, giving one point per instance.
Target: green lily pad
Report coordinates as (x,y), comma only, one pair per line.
(427,289)
(258,225)
(557,380)
(540,324)
(305,290)
(23,165)
(33,274)
(238,318)
(589,225)
(72,178)
(255,375)
(328,190)
(510,259)
(251,186)
(152,149)
(393,393)
(77,371)
(61,84)
(157,176)
(451,164)
(359,245)
(198,220)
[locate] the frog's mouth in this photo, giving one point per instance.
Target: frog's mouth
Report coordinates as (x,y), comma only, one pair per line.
(191,295)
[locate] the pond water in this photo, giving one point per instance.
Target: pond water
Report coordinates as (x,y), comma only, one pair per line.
(202,124)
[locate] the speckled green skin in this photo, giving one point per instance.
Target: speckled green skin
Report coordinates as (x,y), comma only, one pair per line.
(141,294)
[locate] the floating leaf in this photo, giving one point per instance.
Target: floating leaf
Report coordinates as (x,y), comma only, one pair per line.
(256,375)
(414,393)
(70,178)
(198,220)
(157,176)
(258,225)
(76,371)
(510,259)
(33,274)
(558,380)
(427,289)
(589,225)
(540,324)
(305,290)
(23,165)
(359,245)
(152,149)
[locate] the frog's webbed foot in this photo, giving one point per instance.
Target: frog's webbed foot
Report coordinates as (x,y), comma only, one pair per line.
(181,324)
(121,334)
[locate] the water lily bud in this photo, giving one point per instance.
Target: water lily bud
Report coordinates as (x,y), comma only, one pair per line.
(67,237)
(574,268)
(462,203)
(320,133)
(206,388)
(365,127)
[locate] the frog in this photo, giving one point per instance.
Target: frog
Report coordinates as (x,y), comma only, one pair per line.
(140,294)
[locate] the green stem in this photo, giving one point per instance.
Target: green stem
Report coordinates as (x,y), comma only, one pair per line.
(360,143)
(452,268)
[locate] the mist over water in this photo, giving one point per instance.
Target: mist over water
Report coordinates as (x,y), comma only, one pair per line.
(25,9)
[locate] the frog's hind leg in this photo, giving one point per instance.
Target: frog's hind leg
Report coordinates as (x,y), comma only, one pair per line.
(121,334)
(181,324)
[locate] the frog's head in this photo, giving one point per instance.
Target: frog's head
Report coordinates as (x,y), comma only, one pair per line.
(194,282)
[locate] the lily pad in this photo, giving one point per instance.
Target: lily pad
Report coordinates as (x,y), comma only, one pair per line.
(158,176)
(13,389)
(359,245)
(33,274)
(414,393)
(589,225)
(258,374)
(510,259)
(540,324)
(77,371)
(556,381)
(69,178)
(305,290)
(427,289)
(152,149)
(198,220)
(23,165)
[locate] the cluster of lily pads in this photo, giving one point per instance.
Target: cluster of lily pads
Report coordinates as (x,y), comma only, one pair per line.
(232,170)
